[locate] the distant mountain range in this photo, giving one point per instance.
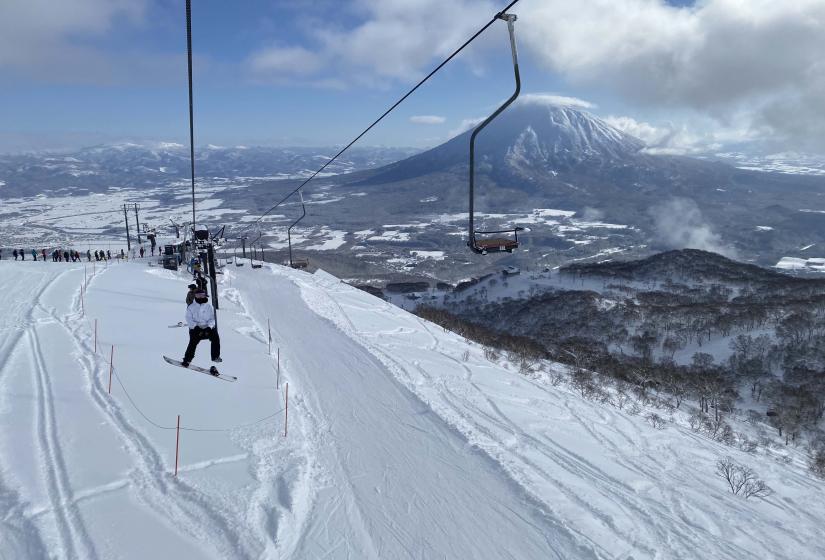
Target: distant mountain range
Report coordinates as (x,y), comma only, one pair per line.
(548,156)
(126,164)
(615,196)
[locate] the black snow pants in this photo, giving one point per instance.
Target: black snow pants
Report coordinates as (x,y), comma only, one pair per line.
(196,335)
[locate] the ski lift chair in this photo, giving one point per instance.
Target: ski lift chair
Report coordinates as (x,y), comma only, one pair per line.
(235,256)
(296,263)
(484,242)
(497,244)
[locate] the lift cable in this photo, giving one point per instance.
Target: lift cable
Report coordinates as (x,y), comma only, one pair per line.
(387,112)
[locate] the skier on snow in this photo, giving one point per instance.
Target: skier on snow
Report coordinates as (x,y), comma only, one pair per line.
(200,317)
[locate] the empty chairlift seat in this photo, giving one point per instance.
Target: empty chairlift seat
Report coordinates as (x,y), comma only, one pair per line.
(496,242)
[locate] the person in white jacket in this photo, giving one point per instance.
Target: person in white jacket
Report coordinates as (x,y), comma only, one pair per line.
(200,317)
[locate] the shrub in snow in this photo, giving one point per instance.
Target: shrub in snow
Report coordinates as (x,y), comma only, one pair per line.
(621,399)
(491,353)
(582,381)
(747,445)
(603,396)
(556,377)
(753,416)
(465,356)
(696,420)
(655,420)
(741,480)
(816,463)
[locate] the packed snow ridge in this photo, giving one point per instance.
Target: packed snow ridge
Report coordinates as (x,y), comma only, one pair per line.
(403,440)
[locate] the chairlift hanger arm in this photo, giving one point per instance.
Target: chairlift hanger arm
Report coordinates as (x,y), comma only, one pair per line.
(472,243)
(292,225)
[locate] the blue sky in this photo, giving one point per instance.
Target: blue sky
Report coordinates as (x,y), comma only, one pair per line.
(316,72)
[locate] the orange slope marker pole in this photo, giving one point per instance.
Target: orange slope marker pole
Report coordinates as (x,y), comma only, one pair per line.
(111,367)
(286,408)
(177,446)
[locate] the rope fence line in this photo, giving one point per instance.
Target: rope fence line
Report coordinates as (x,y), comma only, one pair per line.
(114,373)
(155,424)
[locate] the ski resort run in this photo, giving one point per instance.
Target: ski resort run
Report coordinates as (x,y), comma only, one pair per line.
(401,439)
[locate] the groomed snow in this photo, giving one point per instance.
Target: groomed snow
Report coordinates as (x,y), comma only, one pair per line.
(403,442)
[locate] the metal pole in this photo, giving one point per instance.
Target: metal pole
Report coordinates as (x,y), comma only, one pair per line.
(128,239)
(137,223)
(191,107)
(210,257)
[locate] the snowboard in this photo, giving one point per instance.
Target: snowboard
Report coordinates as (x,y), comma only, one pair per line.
(201,370)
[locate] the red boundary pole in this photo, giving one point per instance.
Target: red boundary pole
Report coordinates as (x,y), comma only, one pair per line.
(111,367)
(177,446)
(286,408)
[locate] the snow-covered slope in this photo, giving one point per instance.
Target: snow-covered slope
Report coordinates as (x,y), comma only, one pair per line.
(403,440)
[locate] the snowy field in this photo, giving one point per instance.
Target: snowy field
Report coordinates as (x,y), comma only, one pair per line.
(403,440)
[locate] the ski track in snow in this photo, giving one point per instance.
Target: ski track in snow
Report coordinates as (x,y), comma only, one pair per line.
(75,539)
(360,429)
(182,505)
(20,536)
(627,514)
(405,442)
(280,505)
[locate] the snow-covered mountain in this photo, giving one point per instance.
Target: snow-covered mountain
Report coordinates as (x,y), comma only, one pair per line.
(527,137)
(403,441)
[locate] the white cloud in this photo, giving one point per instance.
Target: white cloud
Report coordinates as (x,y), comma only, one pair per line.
(717,57)
(284,62)
(394,39)
(466,124)
(47,38)
(679,224)
(551,99)
(428,119)
(700,136)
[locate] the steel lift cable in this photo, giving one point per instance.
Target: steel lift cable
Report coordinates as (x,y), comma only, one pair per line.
(499,15)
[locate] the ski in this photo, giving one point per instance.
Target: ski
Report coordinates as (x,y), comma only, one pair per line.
(222,376)
(176,326)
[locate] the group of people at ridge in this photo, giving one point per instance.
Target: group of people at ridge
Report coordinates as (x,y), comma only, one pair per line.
(71,255)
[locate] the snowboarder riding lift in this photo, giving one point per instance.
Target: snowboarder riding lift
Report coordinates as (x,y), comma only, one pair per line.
(200,317)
